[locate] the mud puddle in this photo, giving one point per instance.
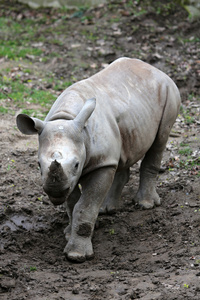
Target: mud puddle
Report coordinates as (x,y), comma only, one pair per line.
(20,222)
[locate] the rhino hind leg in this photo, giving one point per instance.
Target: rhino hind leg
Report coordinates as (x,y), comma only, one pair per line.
(147,197)
(112,200)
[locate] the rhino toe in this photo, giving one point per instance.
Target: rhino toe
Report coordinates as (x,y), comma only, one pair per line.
(78,257)
(67,232)
(79,250)
(75,256)
(147,202)
(107,210)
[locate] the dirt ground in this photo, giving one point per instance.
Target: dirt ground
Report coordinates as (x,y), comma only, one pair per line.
(139,254)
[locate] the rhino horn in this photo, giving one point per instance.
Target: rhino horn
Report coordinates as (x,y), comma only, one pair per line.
(56,173)
(85,113)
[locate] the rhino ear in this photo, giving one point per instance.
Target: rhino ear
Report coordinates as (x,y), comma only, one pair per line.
(85,113)
(28,125)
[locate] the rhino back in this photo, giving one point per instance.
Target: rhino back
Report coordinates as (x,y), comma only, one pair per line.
(131,96)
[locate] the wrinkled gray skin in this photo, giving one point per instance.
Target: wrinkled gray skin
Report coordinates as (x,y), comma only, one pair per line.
(92,143)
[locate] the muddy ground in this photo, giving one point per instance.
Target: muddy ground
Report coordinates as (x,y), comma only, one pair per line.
(139,254)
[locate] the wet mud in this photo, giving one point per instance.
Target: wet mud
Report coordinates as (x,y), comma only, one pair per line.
(139,254)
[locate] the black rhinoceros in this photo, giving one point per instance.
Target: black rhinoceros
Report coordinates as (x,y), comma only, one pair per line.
(95,131)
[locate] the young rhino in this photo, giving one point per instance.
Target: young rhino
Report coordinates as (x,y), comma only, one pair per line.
(93,143)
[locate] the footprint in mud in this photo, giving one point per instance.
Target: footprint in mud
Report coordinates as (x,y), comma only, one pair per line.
(19,222)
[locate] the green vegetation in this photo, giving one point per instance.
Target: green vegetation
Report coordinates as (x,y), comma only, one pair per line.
(89,35)
(20,40)
(189,163)
(111,231)
(24,43)
(191,40)
(185,151)
(20,87)
(32,269)
(20,93)
(12,50)
(3,110)
(187,115)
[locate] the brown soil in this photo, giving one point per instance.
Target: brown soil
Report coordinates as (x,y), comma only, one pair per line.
(139,254)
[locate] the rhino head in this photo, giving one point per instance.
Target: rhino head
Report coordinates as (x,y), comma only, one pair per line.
(62,151)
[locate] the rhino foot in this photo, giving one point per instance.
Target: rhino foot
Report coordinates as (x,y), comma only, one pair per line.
(147,202)
(78,250)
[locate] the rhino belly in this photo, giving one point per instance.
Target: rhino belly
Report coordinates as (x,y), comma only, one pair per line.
(135,143)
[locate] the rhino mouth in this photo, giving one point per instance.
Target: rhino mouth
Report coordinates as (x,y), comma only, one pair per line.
(58,198)
(57,201)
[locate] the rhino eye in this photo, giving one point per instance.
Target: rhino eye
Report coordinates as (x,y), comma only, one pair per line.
(76,165)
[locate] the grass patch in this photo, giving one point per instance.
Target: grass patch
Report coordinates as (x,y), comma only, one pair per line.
(17,38)
(32,269)
(57,85)
(20,93)
(190,164)
(9,26)
(184,145)
(185,151)
(12,50)
(20,88)
(3,110)
(187,115)
(89,35)
(21,32)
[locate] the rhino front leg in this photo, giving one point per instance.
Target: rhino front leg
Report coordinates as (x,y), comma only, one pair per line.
(95,186)
(69,206)
(112,200)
